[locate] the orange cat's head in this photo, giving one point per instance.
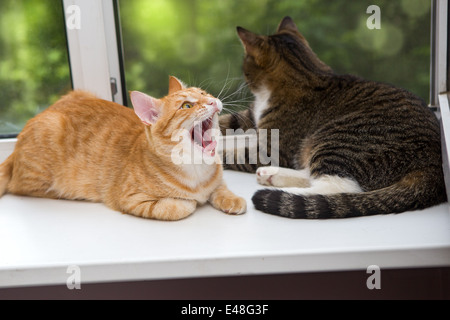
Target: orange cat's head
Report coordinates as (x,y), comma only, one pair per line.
(189,113)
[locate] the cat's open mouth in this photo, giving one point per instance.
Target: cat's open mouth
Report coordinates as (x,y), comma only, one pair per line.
(201,136)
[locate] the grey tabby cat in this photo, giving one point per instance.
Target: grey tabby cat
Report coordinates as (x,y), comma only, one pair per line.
(348,146)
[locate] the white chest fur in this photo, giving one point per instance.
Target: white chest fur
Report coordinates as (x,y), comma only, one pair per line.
(262,97)
(195,176)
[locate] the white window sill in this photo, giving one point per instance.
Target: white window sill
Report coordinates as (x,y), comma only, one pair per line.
(40,238)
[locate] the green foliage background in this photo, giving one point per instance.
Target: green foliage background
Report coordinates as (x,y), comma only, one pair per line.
(196,41)
(34,67)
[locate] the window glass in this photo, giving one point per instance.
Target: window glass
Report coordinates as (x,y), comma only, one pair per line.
(34,68)
(196,40)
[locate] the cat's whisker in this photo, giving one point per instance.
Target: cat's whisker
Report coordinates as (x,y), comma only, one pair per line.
(206,83)
(239,91)
(228,84)
(233,106)
(225,84)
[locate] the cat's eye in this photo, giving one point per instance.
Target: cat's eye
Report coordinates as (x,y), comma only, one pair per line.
(186,105)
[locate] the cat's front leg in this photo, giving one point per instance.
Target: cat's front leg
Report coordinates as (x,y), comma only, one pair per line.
(163,209)
(237,120)
(226,201)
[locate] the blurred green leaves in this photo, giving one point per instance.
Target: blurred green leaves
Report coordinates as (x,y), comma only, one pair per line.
(34,68)
(196,39)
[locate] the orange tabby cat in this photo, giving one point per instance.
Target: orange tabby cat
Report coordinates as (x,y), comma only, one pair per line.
(86,148)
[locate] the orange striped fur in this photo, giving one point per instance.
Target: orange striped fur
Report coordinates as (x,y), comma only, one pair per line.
(87,148)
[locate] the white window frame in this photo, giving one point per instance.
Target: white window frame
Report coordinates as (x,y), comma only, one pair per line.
(439,75)
(94,52)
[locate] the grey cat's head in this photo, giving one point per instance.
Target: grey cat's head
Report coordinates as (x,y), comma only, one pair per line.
(279,56)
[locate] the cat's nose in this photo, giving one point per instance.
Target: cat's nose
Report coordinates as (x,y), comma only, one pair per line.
(216,104)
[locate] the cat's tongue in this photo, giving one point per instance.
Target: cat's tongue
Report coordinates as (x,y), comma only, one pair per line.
(206,138)
(211,147)
(208,144)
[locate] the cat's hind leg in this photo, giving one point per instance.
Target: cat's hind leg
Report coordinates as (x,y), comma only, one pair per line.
(283,177)
(6,169)
(163,209)
(173,209)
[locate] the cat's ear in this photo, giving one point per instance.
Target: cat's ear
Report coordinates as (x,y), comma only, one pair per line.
(249,40)
(146,108)
(175,84)
(287,24)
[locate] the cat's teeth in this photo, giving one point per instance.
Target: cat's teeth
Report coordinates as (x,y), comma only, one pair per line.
(207,136)
(201,136)
(211,147)
(198,137)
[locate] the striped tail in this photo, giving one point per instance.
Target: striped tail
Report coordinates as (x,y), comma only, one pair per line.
(417,190)
(5,174)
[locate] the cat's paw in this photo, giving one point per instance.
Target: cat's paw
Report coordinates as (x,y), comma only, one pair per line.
(173,209)
(228,202)
(232,205)
(267,176)
(282,177)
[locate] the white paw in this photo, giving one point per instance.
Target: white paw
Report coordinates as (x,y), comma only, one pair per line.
(282,177)
(265,175)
